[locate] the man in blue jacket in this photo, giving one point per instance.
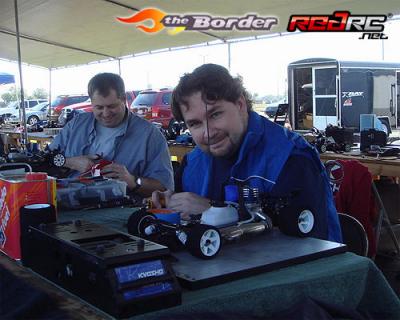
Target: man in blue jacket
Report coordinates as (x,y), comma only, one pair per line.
(233,142)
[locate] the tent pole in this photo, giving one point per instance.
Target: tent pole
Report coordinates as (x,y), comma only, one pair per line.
(49,112)
(24,133)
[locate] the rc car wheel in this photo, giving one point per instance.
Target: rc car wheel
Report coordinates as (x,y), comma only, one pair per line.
(139,221)
(203,241)
(174,129)
(322,148)
(305,221)
(347,147)
(58,160)
(296,222)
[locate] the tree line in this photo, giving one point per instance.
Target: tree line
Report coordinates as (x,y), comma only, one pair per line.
(13,94)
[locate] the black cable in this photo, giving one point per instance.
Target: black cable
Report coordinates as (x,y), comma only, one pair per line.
(208,129)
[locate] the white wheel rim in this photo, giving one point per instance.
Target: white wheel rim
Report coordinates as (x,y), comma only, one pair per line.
(305,221)
(140,223)
(210,242)
(59,160)
(323,148)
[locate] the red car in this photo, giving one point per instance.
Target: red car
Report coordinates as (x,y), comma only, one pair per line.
(154,106)
(66,100)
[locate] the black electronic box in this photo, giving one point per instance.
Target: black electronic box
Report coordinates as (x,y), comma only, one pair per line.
(372,137)
(121,274)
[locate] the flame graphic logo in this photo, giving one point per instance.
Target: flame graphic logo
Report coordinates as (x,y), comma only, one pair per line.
(176,23)
(147,14)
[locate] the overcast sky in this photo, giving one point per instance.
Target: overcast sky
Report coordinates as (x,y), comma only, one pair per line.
(261,63)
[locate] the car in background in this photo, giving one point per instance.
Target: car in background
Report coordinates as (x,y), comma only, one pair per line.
(29,103)
(13,107)
(130,96)
(154,106)
(33,115)
(62,101)
(86,106)
(271,108)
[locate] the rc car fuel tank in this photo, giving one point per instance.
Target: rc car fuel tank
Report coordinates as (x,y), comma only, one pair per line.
(220,216)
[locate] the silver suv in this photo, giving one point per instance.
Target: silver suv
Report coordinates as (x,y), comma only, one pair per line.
(28,103)
(13,107)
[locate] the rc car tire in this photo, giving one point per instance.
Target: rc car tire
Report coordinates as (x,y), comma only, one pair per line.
(58,160)
(175,128)
(139,221)
(347,147)
(171,130)
(203,241)
(322,148)
(296,222)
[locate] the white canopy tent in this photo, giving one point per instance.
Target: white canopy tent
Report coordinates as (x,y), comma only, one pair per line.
(57,33)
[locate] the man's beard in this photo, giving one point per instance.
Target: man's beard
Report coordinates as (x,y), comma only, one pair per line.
(232,150)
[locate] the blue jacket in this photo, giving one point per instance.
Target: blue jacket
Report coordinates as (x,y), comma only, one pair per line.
(265,149)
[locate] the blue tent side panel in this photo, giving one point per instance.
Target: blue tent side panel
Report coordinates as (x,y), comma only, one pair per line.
(6,78)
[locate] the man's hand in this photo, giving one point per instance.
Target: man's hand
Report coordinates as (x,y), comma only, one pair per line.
(119,172)
(81,163)
(161,199)
(187,203)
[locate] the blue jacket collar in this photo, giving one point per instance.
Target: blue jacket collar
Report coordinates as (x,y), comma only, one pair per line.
(276,148)
(255,131)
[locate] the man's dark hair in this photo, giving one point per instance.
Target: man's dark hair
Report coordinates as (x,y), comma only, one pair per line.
(214,82)
(103,82)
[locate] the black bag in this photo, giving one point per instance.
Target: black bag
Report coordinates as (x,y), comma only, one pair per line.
(372,137)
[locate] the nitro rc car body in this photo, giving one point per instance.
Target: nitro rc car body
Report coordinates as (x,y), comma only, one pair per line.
(203,235)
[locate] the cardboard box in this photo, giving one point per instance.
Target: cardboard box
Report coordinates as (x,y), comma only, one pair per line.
(17,191)
(308,121)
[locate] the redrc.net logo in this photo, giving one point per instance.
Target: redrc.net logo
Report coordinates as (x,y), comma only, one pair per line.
(371,26)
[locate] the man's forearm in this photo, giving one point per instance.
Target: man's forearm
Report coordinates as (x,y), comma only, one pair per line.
(79,163)
(148,185)
(71,163)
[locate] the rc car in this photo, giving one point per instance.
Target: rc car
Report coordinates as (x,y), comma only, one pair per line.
(334,139)
(223,222)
